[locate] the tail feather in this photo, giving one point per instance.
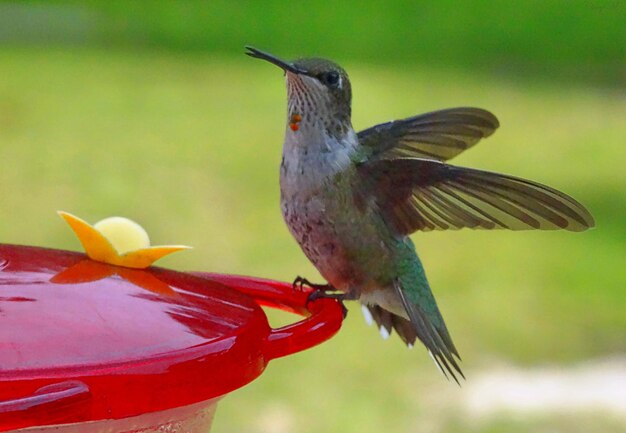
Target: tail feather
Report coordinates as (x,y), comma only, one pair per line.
(389,321)
(435,336)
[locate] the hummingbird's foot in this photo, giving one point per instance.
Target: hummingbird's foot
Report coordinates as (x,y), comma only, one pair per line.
(299,283)
(339,296)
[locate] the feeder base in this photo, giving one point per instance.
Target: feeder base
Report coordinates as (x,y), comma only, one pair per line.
(195,418)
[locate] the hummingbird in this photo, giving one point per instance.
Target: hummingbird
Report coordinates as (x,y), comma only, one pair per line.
(351,199)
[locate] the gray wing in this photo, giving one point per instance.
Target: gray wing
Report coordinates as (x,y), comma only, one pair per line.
(440,134)
(419,194)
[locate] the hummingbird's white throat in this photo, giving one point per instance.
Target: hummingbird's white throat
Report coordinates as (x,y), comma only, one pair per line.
(307,98)
(316,147)
(312,110)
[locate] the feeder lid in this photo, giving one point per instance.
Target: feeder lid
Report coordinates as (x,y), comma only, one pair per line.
(95,341)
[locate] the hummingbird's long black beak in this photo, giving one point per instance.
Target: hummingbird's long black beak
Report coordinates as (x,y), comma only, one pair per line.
(286,66)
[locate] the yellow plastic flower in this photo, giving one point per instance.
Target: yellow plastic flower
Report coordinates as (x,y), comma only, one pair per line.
(118,241)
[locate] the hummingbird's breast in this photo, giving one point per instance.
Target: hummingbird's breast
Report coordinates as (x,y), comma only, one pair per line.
(343,241)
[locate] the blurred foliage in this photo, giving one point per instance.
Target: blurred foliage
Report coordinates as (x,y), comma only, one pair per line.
(557,39)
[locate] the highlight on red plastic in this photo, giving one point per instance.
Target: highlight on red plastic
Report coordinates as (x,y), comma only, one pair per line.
(323,321)
(51,404)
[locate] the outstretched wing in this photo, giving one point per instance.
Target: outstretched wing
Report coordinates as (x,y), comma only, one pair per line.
(420,194)
(440,134)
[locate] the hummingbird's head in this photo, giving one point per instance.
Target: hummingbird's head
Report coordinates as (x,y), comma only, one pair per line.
(318,91)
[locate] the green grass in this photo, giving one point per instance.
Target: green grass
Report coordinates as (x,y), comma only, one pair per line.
(189,146)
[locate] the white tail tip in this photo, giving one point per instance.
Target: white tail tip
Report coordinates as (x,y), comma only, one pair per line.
(367,315)
(384,333)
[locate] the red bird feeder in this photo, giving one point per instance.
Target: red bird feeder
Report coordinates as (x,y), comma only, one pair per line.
(92,347)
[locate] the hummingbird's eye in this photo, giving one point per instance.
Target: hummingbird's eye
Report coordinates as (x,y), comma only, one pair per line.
(331,79)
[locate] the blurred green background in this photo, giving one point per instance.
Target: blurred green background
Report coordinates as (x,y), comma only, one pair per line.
(150,110)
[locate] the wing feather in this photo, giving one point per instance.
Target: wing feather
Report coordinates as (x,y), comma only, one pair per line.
(420,194)
(439,135)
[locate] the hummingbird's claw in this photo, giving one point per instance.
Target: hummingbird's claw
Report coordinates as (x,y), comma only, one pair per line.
(319,291)
(299,283)
(340,297)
